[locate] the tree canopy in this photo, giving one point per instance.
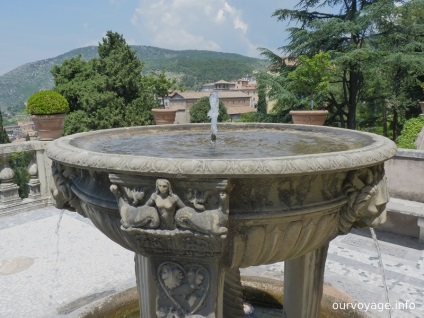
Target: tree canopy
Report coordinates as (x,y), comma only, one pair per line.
(376,50)
(4,138)
(106,92)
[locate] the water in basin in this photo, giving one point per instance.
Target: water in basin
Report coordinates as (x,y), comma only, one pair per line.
(229,144)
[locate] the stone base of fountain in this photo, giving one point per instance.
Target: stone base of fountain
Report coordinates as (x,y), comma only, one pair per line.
(194,216)
(263,295)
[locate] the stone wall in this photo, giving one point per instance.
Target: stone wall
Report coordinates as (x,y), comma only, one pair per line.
(405,175)
(405,181)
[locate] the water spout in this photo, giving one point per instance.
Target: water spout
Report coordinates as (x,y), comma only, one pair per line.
(381,266)
(213,114)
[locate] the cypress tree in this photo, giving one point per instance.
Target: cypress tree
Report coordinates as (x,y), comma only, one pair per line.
(4,138)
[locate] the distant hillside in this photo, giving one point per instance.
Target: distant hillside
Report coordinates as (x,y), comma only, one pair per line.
(192,67)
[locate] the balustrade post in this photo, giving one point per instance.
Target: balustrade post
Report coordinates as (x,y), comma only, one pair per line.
(34,182)
(9,191)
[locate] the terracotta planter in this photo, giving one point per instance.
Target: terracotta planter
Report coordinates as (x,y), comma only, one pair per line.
(49,127)
(164,116)
(422,107)
(309,117)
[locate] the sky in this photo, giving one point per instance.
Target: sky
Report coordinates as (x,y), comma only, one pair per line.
(33,30)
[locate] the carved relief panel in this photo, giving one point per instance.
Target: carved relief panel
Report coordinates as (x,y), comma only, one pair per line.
(161,204)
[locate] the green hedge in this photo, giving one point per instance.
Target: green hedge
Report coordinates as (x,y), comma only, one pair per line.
(47,103)
(410,132)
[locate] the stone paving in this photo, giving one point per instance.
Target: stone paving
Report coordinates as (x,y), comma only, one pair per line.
(53,263)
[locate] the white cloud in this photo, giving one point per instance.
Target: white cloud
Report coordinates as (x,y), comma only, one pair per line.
(239,24)
(192,24)
(220,16)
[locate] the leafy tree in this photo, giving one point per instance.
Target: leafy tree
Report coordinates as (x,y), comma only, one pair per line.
(19,162)
(161,85)
(200,109)
(310,79)
(105,92)
(360,36)
(4,138)
(273,84)
(262,103)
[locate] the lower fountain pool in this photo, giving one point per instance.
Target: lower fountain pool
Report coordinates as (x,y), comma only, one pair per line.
(263,299)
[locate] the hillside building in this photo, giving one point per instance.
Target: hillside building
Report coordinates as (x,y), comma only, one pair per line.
(244,85)
(20,131)
(236,102)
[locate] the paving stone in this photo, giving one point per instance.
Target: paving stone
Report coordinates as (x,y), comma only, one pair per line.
(51,269)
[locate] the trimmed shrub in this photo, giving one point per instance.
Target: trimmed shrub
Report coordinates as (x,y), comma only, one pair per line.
(47,103)
(410,132)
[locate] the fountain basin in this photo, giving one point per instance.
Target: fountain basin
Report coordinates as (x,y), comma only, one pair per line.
(195,213)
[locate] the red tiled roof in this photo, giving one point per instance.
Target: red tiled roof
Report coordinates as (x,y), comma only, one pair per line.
(221,94)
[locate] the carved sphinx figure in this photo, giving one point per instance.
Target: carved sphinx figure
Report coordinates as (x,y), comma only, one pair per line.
(135,216)
(209,221)
(165,210)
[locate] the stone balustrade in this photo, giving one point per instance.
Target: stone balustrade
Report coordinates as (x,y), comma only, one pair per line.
(39,183)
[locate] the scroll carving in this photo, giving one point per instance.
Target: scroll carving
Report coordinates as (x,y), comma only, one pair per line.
(367,195)
(165,210)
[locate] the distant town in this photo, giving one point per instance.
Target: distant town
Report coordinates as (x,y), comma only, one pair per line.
(239,97)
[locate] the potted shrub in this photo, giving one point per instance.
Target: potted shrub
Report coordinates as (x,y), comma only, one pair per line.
(164,116)
(48,110)
(309,117)
(310,80)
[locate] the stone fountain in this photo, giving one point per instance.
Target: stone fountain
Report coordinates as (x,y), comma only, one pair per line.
(194,213)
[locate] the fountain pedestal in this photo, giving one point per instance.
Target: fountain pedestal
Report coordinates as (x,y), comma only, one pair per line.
(187,273)
(194,219)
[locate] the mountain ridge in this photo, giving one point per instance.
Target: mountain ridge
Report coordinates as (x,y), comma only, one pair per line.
(192,67)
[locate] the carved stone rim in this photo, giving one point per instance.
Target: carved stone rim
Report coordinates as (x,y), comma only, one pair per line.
(377,151)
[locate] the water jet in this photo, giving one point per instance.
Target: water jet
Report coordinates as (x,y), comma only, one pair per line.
(194,217)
